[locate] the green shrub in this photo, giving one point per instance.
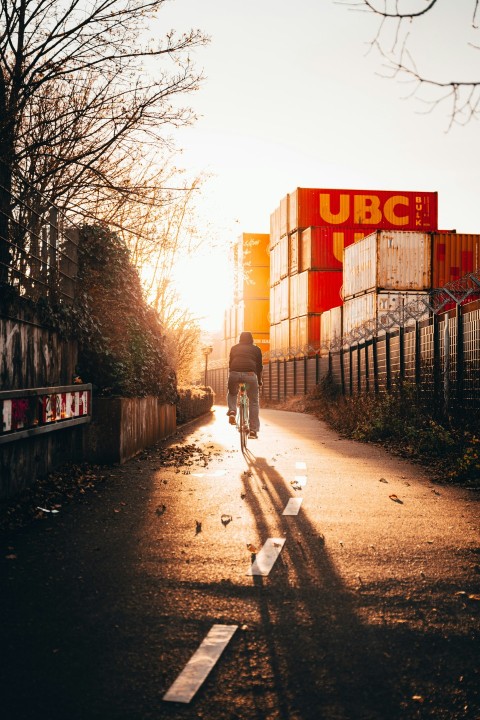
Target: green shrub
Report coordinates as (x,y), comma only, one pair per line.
(121,339)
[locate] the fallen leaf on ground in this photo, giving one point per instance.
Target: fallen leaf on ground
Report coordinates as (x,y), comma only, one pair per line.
(251,548)
(396,499)
(225,519)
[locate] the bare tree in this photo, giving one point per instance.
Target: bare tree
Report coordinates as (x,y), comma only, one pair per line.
(77,99)
(393,41)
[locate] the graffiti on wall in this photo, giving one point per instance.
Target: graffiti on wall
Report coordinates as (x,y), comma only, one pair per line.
(23,413)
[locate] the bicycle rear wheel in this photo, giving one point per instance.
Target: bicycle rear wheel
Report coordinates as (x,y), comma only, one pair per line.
(243,425)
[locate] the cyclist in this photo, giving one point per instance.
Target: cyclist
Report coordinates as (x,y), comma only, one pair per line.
(245,365)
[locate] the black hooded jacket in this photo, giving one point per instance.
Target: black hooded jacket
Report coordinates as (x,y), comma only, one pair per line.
(246,357)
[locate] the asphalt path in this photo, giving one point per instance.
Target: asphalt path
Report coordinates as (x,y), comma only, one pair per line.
(361,605)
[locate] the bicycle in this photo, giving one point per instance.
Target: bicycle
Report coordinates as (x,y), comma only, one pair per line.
(242,420)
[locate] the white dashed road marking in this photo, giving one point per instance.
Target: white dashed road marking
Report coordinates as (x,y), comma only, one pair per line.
(217,473)
(200,664)
(293,506)
(265,559)
(301,480)
(301,466)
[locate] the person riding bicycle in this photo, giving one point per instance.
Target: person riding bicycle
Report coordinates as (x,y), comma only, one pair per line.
(245,365)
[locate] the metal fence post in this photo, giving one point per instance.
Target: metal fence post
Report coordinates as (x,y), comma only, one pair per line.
(401,350)
(367,367)
(437,371)
(460,374)
(269,379)
(375,365)
(359,369)
(388,380)
(446,367)
(342,370)
(418,354)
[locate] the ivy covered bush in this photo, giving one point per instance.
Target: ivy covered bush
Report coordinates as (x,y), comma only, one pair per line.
(121,339)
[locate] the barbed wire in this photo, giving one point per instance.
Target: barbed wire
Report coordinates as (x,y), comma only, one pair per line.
(421,307)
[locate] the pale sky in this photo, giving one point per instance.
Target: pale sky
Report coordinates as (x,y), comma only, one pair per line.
(292,98)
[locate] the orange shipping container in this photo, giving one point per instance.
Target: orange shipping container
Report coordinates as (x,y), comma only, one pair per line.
(454,255)
(321,248)
(364,209)
(256,283)
(253,315)
(253,249)
(318,291)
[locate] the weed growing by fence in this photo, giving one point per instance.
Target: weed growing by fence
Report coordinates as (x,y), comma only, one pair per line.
(403,422)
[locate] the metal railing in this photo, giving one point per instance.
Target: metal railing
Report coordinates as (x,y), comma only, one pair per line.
(38,249)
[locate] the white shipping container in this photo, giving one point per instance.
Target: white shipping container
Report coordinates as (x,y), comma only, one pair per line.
(283,247)
(374,308)
(388,260)
(331,328)
(273,306)
(293,296)
(284,295)
(293,339)
(279,336)
(294,241)
(275,265)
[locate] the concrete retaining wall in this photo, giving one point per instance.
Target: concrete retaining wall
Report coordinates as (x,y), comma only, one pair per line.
(122,427)
(32,355)
(23,461)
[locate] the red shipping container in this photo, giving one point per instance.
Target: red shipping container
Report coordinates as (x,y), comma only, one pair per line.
(454,255)
(318,290)
(365,209)
(321,248)
(309,331)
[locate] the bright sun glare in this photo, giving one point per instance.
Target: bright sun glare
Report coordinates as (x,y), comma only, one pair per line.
(204,286)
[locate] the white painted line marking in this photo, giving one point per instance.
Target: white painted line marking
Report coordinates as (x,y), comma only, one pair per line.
(265,559)
(217,473)
(202,661)
(301,465)
(293,506)
(301,480)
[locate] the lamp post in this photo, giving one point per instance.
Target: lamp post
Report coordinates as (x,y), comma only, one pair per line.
(206,351)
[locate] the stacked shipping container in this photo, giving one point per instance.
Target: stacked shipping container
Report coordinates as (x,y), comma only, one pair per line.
(250,310)
(382,273)
(321,249)
(389,269)
(309,231)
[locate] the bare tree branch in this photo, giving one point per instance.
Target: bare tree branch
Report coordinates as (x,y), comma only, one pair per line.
(461,95)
